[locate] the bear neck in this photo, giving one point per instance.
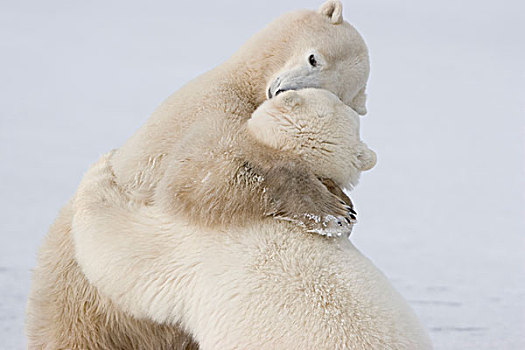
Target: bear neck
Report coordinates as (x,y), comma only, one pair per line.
(243,89)
(245,80)
(249,71)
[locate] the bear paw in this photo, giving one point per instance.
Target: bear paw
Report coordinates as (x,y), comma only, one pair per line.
(331,226)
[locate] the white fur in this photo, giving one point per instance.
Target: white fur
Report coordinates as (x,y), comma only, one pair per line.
(317,126)
(269,286)
(274,58)
(264,287)
(344,77)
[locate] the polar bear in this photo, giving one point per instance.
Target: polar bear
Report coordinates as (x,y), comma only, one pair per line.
(264,284)
(173,284)
(298,50)
(290,142)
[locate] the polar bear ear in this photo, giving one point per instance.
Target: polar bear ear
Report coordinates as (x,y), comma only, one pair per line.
(333,9)
(365,158)
(358,103)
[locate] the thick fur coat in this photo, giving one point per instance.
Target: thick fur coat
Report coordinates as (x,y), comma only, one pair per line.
(300,49)
(108,278)
(265,286)
(270,166)
(64,311)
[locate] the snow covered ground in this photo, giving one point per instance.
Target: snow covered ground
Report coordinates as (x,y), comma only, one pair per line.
(442,214)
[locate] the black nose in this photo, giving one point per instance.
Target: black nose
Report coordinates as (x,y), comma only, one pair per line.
(279,91)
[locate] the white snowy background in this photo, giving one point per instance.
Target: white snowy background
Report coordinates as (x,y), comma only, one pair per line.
(442,214)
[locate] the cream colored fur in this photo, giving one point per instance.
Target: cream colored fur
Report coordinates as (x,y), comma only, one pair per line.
(270,167)
(139,276)
(270,286)
(266,285)
(278,57)
(320,129)
(64,311)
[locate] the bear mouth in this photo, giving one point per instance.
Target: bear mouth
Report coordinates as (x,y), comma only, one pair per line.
(277,86)
(270,94)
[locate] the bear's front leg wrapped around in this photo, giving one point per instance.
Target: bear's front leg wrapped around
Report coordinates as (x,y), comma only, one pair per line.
(290,161)
(268,285)
(218,188)
(297,195)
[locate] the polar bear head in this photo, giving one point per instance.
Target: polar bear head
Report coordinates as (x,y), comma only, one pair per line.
(315,125)
(315,49)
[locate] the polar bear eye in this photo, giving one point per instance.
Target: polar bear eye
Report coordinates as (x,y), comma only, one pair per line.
(312,61)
